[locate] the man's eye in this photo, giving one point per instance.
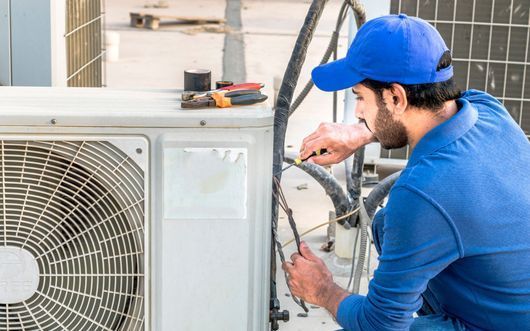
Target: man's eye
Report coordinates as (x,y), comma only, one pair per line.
(358,98)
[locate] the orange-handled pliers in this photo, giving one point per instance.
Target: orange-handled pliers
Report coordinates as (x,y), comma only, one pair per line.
(225,99)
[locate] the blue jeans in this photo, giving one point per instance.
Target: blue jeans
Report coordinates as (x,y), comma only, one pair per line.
(430,316)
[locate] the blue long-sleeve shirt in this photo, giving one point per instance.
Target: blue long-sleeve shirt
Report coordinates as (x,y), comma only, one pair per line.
(457,220)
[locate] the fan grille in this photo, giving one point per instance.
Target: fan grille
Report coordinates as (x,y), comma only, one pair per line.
(78,208)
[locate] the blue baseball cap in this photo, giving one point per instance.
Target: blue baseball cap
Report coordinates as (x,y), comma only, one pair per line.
(391,49)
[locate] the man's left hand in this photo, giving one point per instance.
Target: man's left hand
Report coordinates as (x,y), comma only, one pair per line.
(310,279)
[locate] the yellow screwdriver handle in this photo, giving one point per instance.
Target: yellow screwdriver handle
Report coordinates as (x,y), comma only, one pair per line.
(315,153)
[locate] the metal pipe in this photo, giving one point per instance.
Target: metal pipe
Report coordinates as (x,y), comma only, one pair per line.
(349,103)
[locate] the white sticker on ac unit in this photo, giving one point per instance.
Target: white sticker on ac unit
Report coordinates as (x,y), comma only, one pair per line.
(205,183)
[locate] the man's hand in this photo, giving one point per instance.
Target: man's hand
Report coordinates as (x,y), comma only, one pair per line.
(310,279)
(340,140)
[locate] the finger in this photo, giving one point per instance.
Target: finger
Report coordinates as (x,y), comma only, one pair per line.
(287,266)
(310,144)
(331,158)
(295,257)
(310,137)
(323,160)
(294,287)
(307,253)
(313,147)
(324,126)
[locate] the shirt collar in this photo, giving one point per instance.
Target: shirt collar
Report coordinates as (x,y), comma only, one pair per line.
(447,132)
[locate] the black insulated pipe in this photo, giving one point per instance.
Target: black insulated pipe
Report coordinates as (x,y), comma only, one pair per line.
(331,185)
(379,193)
(281,115)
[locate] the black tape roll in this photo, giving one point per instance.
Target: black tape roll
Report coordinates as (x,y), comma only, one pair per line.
(199,80)
(223,83)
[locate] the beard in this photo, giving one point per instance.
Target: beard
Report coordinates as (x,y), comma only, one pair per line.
(390,133)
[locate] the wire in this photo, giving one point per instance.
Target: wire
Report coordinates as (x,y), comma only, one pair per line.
(368,262)
(282,201)
(350,280)
(321,225)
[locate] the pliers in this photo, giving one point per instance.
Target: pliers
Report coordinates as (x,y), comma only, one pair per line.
(189,95)
(225,99)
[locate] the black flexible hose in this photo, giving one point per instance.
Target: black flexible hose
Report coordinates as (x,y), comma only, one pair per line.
(309,85)
(331,185)
(285,95)
(292,73)
(283,106)
(360,19)
(281,115)
(379,193)
(327,54)
(359,12)
(356,176)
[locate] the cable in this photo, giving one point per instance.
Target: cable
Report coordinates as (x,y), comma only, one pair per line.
(354,245)
(368,262)
(363,228)
(360,17)
(321,225)
(283,204)
(327,54)
(281,117)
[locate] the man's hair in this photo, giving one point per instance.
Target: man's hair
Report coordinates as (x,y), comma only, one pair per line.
(430,96)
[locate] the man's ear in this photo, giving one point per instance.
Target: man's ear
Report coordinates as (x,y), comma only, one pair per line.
(396,99)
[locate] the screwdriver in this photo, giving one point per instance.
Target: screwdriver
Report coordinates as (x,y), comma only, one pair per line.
(297,161)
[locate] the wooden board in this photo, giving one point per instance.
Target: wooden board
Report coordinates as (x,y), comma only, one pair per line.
(151,21)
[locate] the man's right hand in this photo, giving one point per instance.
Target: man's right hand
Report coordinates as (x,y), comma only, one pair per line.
(340,140)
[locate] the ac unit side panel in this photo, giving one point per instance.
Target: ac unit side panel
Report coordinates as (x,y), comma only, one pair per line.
(260,292)
(31,42)
(214,229)
(5,43)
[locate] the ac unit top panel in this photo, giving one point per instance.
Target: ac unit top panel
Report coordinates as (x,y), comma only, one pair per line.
(96,107)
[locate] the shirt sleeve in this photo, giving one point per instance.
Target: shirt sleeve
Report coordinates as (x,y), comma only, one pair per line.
(419,241)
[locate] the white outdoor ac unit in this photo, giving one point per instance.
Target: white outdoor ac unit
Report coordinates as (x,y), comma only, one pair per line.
(121,211)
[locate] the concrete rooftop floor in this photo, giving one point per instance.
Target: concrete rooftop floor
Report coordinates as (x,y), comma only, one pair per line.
(157,59)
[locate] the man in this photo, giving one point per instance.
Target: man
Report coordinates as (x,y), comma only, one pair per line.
(454,238)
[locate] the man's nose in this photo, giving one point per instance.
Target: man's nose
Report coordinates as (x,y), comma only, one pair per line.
(358,113)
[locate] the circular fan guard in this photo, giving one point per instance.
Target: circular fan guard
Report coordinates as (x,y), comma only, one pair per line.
(78,208)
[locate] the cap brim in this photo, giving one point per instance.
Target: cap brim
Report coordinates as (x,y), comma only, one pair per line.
(335,76)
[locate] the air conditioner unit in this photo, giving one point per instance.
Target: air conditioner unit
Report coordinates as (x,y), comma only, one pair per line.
(489,40)
(51,43)
(121,211)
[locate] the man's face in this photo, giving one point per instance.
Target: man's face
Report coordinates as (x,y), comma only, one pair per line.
(390,132)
